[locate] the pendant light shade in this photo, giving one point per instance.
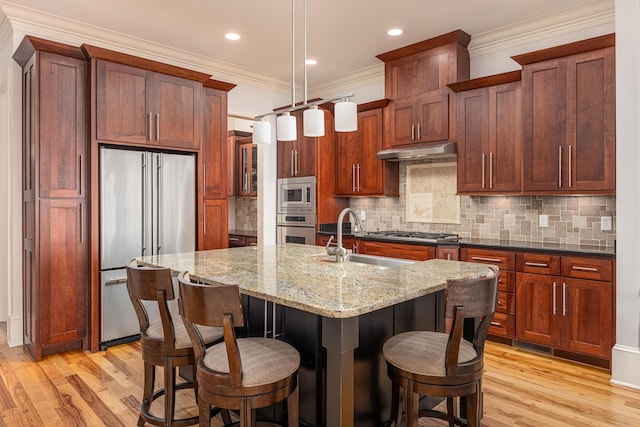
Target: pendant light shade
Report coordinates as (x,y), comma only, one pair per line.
(313,120)
(286,127)
(346,113)
(262,132)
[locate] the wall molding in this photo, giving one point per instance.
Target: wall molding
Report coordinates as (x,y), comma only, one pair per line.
(5,29)
(14,331)
(624,364)
(38,23)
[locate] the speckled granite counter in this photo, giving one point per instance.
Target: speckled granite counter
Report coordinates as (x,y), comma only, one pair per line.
(541,246)
(304,277)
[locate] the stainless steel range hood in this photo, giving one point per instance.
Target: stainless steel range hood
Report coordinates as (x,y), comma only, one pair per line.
(434,151)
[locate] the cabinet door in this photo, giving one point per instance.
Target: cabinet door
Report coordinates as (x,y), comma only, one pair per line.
(215,230)
(537,309)
(286,159)
(417,74)
(587,312)
(371,176)
(591,121)
(349,148)
(544,115)
(448,253)
(473,140)
(123,100)
(397,250)
(505,138)
(62,127)
(402,123)
(305,154)
(63,278)
(432,120)
(247,169)
(176,113)
(215,146)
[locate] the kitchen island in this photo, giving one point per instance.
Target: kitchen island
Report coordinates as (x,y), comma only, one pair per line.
(342,299)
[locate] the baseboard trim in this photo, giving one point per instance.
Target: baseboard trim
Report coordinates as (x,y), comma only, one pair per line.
(14,331)
(624,366)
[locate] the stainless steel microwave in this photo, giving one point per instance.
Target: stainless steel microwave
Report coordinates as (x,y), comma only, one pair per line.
(297,195)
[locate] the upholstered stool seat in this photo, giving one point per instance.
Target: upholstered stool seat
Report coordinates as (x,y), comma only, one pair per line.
(445,365)
(241,374)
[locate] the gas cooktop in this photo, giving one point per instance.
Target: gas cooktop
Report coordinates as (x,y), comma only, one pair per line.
(417,236)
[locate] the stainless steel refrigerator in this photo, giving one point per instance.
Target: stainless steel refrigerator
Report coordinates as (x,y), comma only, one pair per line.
(147,207)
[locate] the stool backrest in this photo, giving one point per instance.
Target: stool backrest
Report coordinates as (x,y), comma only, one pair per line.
(466,299)
(151,284)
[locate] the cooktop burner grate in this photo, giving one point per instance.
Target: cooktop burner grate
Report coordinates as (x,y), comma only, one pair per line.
(415,235)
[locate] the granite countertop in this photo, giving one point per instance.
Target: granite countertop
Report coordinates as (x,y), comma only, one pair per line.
(541,246)
(306,278)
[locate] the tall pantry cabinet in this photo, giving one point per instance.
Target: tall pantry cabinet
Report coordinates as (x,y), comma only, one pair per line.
(54,185)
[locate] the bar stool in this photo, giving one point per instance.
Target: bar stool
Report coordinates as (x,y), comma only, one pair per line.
(440,364)
(165,342)
(242,374)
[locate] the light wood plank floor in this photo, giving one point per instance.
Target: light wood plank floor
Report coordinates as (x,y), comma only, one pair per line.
(103,389)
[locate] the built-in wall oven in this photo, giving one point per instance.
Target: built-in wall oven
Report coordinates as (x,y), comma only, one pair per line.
(296,217)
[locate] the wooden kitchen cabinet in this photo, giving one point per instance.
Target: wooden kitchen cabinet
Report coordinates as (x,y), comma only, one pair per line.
(348,242)
(416,76)
(298,158)
(567,311)
(504,321)
(54,199)
(569,118)
(140,107)
(215,233)
(359,171)
(214,144)
(247,168)
(489,134)
(396,250)
(451,253)
(233,136)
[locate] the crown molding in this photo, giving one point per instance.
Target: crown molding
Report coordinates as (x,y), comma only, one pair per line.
(599,12)
(40,24)
(373,74)
(5,28)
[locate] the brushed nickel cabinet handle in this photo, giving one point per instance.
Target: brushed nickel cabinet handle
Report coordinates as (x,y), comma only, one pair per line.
(570,149)
(150,123)
(204,219)
(353,178)
(292,163)
(490,170)
(496,324)
(560,166)
(358,169)
(413,132)
(448,257)
(483,156)
(479,258)
(419,133)
(554,298)
(233,239)
(564,299)
(158,127)
(536,264)
(577,267)
(81,177)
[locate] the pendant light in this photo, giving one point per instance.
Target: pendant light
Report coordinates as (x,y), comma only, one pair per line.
(346,113)
(286,123)
(262,131)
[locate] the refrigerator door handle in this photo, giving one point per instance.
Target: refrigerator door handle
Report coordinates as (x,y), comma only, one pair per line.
(115,282)
(144,204)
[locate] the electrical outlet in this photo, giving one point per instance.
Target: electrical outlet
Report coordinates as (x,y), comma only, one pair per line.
(544,220)
(363,216)
(606,223)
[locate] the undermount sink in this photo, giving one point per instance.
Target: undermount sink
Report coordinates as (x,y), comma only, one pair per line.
(377,260)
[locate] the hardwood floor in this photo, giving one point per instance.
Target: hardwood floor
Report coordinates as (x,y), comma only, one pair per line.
(103,389)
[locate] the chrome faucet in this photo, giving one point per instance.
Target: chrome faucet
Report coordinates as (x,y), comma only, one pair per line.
(339,251)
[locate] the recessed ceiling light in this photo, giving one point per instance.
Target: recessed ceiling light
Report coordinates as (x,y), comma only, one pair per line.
(232,36)
(311,62)
(395,32)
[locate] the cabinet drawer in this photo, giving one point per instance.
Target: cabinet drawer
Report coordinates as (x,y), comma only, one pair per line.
(397,250)
(538,263)
(506,303)
(505,260)
(237,241)
(587,268)
(507,281)
(251,241)
(502,324)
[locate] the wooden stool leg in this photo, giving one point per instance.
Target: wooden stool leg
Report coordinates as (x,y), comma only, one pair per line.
(194,374)
(226,418)
(147,390)
(245,414)
(395,403)
(293,418)
(412,405)
(473,407)
(451,411)
(204,412)
(169,393)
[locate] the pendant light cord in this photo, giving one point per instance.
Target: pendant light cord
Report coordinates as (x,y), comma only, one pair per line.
(293,53)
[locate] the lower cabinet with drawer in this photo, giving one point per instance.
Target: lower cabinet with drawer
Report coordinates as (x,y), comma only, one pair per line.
(504,321)
(396,250)
(239,240)
(565,302)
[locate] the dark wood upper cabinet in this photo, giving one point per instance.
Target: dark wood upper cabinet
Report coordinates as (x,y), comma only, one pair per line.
(143,107)
(569,118)
(298,158)
(359,171)
(214,144)
(416,78)
(490,134)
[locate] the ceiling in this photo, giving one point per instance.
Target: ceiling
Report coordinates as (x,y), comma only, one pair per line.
(343,35)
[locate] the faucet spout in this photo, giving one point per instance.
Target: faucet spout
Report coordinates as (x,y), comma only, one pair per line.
(339,251)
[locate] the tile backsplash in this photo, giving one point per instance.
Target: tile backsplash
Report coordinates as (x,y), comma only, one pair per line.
(246,213)
(571,219)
